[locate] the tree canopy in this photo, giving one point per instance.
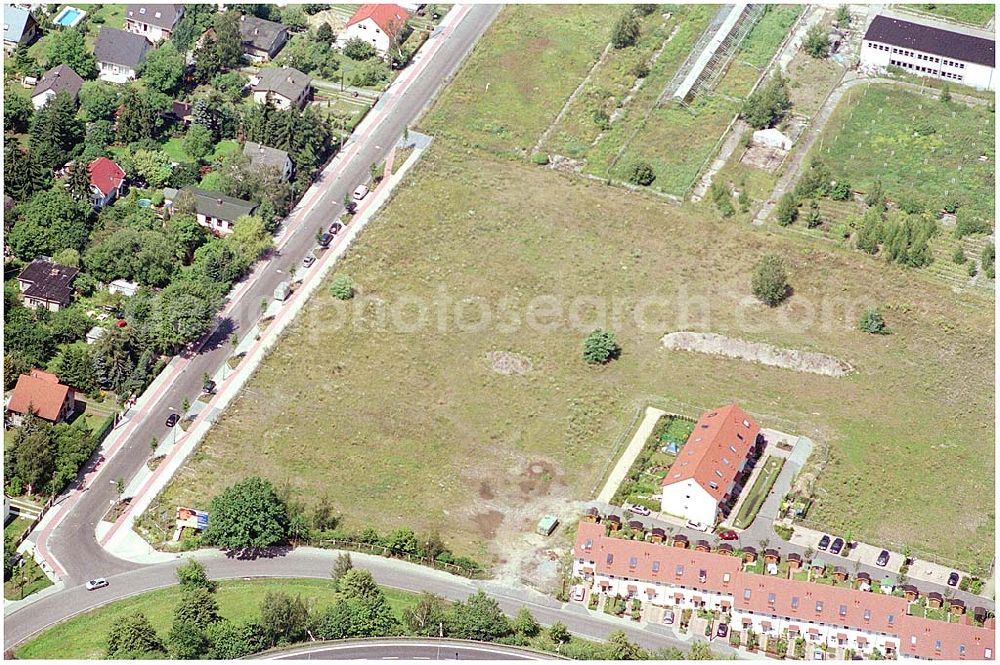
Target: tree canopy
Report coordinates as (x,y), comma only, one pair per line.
(247,516)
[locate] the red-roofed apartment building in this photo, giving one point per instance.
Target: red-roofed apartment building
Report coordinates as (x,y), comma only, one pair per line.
(702,478)
(40,393)
(821,614)
(377,25)
(106,181)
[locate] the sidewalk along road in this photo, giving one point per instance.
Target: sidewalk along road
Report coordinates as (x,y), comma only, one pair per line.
(67,540)
(28,621)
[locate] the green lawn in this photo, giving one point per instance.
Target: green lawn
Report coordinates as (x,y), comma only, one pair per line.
(978,15)
(520,75)
(16,527)
(211,181)
(83,637)
(223,149)
(174,147)
(759,491)
(27,578)
(918,146)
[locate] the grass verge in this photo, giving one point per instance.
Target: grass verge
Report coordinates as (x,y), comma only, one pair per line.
(758,492)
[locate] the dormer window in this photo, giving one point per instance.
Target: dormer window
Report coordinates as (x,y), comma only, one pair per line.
(739,436)
(157,14)
(770,599)
(937,645)
(702,576)
(819,606)
(746,594)
(656,566)
(142,10)
(718,473)
(843,610)
(611,558)
(795,602)
(868,615)
(714,485)
(589,544)
(726,577)
(961,649)
(746,423)
(725,460)
(679,570)
(632,562)
(892,617)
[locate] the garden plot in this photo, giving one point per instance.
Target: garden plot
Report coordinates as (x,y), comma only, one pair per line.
(650,467)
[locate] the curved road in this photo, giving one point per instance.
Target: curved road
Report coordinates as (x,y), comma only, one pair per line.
(24,623)
(407,649)
(67,540)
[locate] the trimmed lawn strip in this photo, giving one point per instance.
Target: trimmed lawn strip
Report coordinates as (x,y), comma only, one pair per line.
(37,580)
(84,637)
(761,487)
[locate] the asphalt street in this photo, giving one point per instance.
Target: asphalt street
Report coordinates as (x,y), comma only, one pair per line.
(406,649)
(314,563)
(72,541)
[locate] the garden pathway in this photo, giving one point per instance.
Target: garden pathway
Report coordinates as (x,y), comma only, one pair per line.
(631,452)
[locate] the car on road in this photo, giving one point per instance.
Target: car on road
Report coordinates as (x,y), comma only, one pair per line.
(883,558)
(824,543)
(361,192)
(308,260)
(208,388)
(836,545)
(335,228)
(953,579)
(697,526)
(637,509)
(668,617)
(172,419)
(729,534)
(325,239)
(98,583)
(579,592)
(723,630)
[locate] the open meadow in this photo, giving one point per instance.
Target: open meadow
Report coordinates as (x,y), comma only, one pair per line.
(467,407)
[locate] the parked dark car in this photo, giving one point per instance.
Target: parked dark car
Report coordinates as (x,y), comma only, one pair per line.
(836,545)
(729,535)
(883,558)
(824,542)
(172,419)
(335,228)
(208,388)
(325,240)
(953,579)
(723,630)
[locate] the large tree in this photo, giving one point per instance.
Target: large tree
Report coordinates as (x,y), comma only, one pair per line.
(247,516)
(49,222)
(133,637)
(428,617)
(479,618)
(66,46)
(17,112)
(56,133)
(163,68)
(183,312)
(99,100)
(284,618)
(770,282)
(768,103)
(23,175)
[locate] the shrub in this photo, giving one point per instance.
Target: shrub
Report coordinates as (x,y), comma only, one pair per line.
(342,288)
(601,119)
(958,256)
(788,209)
(358,49)
(540,158)
(872,322)
(972,269)
(813,219)
(722,198)
(767,104)
(841,230)
(600,347)
(643,10)
(945,93)
(626,30)
(770,282)
(988,259)
(641,173)
(816,43)
(967,225)
(841,191)
(843,16)
(876,197)
(640,70)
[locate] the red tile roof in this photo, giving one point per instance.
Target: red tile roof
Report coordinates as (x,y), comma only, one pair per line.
(715,451)
(771,596)
(105,175)
(41,392)
(387,17)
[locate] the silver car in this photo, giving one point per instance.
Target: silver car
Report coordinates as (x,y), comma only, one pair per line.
(98,583)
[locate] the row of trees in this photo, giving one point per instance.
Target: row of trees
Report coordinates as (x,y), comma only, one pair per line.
(43,456)
(360,609)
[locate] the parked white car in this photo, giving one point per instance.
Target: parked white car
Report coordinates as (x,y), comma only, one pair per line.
(579,591)
(637,509)
(697,526)
(96,584)
(361,192)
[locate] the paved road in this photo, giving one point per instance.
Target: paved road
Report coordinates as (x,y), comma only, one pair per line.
(408,649)
(25,622)
(71,542)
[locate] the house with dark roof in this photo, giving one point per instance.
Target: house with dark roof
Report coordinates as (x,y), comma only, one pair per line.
(60,78)
(107,181)
(41,394)
(285,87)
(928,48)
(699,485)
(264,156)
(217,211)
(262,40)
(47,285)
(19,27)
(378,25)
(119,54)
(153,22)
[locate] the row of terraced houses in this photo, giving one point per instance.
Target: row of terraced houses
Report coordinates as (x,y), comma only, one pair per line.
(822,614)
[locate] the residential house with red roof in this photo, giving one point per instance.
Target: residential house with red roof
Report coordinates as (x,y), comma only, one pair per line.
(40,393)
(822,614)
(700,483)
(378,25)
(106,181)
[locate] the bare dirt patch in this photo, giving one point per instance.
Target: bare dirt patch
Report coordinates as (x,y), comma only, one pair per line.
(762,157)
(487,523)
(537,479)
(757,352)
(507,363)
(486,491)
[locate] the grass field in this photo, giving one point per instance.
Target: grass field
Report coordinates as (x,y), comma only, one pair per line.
(758,492)
(972,14)
(520,75)
(918,147)
(84,637)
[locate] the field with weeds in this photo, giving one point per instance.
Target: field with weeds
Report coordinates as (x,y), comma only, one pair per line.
(972,14)
(920,147)
(520,74)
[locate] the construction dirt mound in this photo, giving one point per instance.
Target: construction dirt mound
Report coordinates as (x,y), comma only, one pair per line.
(757,352)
